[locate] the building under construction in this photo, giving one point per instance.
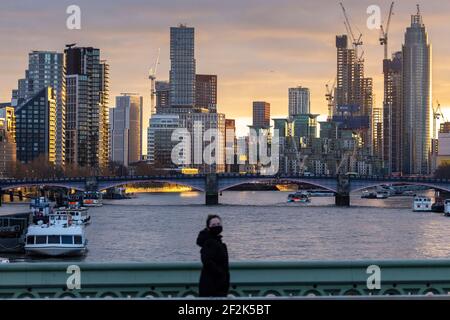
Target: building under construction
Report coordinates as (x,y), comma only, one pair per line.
(392,113)
(353,94)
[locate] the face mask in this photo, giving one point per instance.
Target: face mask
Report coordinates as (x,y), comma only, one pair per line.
(215,230)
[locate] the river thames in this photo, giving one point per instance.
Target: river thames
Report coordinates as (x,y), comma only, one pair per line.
(162,227)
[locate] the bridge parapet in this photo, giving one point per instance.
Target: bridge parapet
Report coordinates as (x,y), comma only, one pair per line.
(248,279)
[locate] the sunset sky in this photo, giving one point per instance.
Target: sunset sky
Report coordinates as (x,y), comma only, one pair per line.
(257,48)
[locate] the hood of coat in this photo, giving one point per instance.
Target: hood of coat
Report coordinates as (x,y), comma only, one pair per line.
(205,235)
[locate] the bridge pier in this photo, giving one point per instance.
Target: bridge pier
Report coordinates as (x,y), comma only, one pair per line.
(11,196)
(211,190)
(342,197)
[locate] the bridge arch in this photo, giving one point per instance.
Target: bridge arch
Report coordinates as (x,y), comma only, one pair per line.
(412,183)
(317,183)
(111,184)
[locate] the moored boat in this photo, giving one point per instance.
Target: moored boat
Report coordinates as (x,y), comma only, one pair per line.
(92,199)
(59,237)
(447,208)
(78,214)
(422,203)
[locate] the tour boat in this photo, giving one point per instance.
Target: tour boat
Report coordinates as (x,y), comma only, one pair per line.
(422,204)
(368,195)
(59,237)
(301,197)
(382,194)
(447,207)
(92,199)
(78,214)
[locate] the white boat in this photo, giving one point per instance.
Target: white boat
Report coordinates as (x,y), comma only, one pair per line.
(382,194)
(4,260)
(79,214)
(60,237)
(422,204)
(447,207)
(92,199)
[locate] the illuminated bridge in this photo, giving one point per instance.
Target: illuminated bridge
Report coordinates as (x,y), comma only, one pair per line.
(213,184)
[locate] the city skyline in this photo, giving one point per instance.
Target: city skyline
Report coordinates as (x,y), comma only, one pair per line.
(248,66)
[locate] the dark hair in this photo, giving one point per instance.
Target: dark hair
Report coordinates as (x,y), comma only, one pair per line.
(210,217)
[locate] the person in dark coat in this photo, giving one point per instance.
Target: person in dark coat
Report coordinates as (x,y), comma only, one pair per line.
(215,275)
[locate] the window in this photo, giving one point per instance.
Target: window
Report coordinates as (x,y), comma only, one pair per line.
(66,239)
(77,240)
(30,240)
(41,239)
(53,240)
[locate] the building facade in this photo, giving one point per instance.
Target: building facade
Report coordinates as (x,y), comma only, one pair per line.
(182,67)
(417,97)
(392,113)
(7,141)
(36,127)
(126,129)
(261,114)
(206,92)
(299,101)
(47,69)
(87,114)
(160,144)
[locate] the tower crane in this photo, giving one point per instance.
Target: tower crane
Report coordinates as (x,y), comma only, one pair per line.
(330,98)
(437,115)
(152,77)
(384,32)
(356,42)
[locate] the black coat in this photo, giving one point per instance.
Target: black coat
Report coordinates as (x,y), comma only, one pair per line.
(215,276)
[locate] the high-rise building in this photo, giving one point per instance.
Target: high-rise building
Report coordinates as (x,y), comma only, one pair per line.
(377,132)
(162,92)
(417,97)
(305,125)
(206,92)
(36,127)
(126,129)
(353,93)
(203,122)
(46,69)
(160,144)
(299,101)
(392,113)
(87,123)
(182,67)
(261,115)
(231,146)
(7,141)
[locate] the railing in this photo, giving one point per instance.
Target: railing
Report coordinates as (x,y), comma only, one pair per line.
(248,279)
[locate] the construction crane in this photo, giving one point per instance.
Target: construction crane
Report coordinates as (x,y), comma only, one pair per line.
(384,32)
(152,77)
(356,42)
(437,115)
(348,156)
(330,98)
